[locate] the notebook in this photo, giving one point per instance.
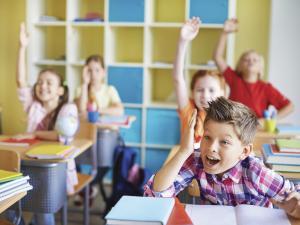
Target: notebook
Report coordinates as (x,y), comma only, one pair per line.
(135,210)
(8,175)
(18,142)
(13,183)
(49,151)
(288,145)
(238,215)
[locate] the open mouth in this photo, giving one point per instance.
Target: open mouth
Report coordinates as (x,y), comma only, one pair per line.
(212,160)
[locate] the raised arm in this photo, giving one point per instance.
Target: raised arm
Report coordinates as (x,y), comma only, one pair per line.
(166,176)
(21,68)
(83,99)
(188,32)
(230,26)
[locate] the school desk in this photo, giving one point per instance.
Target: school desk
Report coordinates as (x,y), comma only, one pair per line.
(10,201)
(48,178)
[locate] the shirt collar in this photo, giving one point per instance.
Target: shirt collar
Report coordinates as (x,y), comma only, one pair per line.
(235,174)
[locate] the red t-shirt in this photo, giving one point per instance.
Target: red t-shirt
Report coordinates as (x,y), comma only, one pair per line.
(257,96)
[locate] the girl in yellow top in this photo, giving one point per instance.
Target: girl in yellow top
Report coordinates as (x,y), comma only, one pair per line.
(205,85)
(93,87)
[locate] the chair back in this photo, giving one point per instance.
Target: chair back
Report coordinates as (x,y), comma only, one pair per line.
(10,160)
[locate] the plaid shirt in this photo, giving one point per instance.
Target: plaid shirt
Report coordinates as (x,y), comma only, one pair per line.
(248,182)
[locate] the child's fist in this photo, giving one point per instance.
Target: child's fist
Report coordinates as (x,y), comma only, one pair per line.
(231,25)
(24,37)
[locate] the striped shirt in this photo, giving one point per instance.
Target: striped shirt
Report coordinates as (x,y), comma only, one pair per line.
(248,182)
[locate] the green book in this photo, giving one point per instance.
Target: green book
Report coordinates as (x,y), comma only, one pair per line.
(8,175)
(288,145)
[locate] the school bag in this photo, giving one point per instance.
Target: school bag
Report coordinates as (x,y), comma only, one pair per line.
(128,177)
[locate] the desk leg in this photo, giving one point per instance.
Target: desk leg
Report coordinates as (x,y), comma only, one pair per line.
(86,206)
(64,212)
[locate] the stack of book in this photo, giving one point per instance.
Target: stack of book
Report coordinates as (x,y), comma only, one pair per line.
(147,210)
(50,151)
(283,156)
(12,183)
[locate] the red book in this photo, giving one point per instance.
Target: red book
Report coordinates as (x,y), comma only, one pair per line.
(178,215)
(18,142)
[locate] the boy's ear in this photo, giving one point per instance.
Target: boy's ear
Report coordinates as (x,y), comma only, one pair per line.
(247,149)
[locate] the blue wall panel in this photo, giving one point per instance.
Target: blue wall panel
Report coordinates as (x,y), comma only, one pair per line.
(133,134)
(210,11)
(128,81)
(126,10)
(155,158)
(163,126)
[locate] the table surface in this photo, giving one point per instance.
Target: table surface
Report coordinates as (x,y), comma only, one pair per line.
(80,144)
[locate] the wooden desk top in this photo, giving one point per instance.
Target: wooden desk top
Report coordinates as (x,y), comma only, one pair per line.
(10,201)
(81,144)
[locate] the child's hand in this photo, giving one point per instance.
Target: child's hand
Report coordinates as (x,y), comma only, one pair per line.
(190,29)
(187,145)
(86,77)
(291,204)
(24,37)
(231,25)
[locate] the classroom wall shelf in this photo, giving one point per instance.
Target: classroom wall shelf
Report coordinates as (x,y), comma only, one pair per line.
(138,40)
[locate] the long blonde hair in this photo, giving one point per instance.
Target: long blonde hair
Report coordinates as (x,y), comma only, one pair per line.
(239,68)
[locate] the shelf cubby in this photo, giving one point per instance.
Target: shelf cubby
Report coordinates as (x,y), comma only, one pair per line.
(133,134)
(161,86)
(159,44)
(129,48)
(134,11)
(161,11)
(128,81)
(162,126)
(210,11)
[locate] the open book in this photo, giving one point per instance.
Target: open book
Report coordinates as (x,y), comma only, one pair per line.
(239,215)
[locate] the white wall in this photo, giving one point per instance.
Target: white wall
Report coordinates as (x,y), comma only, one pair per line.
(284,55)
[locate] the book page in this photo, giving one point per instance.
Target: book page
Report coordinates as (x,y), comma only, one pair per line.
(211,214)
(254,215)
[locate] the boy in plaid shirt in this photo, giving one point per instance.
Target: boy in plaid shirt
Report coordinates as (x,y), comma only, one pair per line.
(226,172)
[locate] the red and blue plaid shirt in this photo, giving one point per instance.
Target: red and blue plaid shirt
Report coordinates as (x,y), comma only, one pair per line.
(248,182)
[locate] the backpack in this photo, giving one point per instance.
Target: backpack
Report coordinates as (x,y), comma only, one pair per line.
(128,177)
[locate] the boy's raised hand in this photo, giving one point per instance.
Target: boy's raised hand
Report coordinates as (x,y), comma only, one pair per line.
(187,145)
(190,29)
(291,204)
(231,25)
(24,37)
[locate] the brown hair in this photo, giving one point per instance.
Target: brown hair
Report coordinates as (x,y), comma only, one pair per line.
(239,68)
(95,58)
(240,116)
(62,99)
(202,73)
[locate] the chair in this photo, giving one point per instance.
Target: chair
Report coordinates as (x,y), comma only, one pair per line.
(86,131)
(10,160)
